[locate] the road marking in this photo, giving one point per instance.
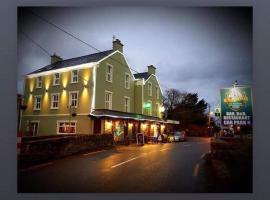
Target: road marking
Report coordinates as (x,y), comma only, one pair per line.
(134,158)
(187,145)
(86,154)
(36,167)
(196,170)
(202,156)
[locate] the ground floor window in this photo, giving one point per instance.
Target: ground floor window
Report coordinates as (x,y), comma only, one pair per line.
(66,127)
(34,125)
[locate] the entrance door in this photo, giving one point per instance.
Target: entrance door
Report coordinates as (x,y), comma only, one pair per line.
(97,126)
(34,128)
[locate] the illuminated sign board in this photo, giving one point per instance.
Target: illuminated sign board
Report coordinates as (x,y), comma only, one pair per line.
(236,106)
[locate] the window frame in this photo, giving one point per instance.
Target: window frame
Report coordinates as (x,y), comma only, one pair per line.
(66,121)
(54,79)
(150,91)
(52,101)
(39,82)
(37,122)
(111,73)
(157,92)
(127,86)
(128,106)
(35,102)
(150,110)
(110,102)
(70,99)
(72,76)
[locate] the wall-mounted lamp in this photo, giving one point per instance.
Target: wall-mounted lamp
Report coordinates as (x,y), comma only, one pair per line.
(85,86)
(46,90)
(64,88)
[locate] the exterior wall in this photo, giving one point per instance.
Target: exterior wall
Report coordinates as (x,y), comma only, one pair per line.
(117,87)
(138,93)
(153,98)
(48,124)
(48,115)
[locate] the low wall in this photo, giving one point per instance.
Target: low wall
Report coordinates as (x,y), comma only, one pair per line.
(42,149)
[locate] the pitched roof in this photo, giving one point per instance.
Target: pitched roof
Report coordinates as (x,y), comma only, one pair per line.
(144,75)
(74,61)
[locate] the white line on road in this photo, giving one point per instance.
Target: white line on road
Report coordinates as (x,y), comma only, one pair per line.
(202,156)
(187,145)
(86,154)
(36,167)
(196,170)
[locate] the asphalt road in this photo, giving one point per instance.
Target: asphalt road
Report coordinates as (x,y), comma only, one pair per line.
(170,167)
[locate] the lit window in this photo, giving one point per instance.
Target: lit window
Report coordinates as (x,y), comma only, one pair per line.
(73,99)
(108,100)
(127,104)
(149,89)
(74,76)
(66,127)
(149,108)
(157,92)
(56,79)
(109,73)
(54,101)
(127,81)
(37,102)
(39,82)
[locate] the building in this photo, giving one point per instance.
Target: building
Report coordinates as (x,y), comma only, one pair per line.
(92,94)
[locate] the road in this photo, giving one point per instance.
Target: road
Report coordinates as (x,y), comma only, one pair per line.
(170,167)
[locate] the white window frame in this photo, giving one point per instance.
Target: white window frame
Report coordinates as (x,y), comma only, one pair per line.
(111,73)
(54,79)
(65,121)
(52,100)
(157,92)
(39,82)
(149,89)
(126,106)
(35,102)
(72,76)
(70,99)
(35,121)
(110,102)
(127,83)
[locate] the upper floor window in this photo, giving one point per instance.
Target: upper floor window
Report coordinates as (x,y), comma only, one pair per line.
(74,76)
(108,100)
(37,102)
(56,79)
(109,73)
(55,101)
(149,108)
(127,104)
(157,92)
(127,81)
(149,89)
(39,82)
(73,99)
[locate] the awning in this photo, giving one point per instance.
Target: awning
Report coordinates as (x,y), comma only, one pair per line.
(123,115)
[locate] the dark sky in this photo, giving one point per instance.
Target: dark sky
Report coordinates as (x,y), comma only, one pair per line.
(194,49)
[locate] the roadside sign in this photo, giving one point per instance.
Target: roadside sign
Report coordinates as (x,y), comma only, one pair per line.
(236,106)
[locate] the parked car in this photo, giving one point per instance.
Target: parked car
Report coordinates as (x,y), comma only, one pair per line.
(179,136)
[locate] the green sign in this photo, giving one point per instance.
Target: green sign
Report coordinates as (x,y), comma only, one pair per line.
(236,106)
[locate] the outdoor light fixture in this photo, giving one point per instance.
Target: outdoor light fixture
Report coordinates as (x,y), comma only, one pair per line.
(46,90)
(85,86)
(64,88)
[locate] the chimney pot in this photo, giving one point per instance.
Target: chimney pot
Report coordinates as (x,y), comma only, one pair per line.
(117,45)
(151,69)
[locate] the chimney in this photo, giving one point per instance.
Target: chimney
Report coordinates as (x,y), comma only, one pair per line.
(151,69)
(117,45)
(55,58)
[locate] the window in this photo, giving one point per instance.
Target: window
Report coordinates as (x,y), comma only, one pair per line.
(39,82)
(74,76)
(66,127)
(150,89)
(37,102)
(109,73)
(157,92)
(126,104)
(157,109)
(34,128)
(54,101)
(127,81)
(73,99)
(149,108)
(56,79)
(108,100)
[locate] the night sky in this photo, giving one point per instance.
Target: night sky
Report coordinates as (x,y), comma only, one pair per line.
(194,49)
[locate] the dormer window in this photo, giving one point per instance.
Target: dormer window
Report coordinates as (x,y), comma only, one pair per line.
(39,82)
(109,73)
(56,79)
(74,76)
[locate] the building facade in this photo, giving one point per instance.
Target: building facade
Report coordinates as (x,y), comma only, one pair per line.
(92,94)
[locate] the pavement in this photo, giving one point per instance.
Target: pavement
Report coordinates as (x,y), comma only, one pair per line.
(169,167)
